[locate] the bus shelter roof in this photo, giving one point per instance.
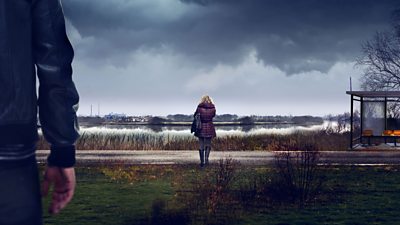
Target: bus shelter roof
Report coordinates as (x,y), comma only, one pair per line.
(375,94)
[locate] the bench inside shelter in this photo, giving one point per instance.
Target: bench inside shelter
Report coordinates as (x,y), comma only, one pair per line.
(387,136)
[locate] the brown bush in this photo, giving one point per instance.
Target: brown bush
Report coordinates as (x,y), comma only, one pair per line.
(209,196)
(297,177)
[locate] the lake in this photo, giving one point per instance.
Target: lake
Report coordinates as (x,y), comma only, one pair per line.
(221,130)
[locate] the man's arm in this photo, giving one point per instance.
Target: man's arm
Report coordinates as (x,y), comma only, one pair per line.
(58,99)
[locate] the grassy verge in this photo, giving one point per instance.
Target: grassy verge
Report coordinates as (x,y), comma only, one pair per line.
(100,199)
(149,194)
(353,195)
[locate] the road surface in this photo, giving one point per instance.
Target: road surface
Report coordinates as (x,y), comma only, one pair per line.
(87,157)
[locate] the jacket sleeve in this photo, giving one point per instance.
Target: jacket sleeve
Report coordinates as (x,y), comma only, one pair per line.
(58,97)
(214,112)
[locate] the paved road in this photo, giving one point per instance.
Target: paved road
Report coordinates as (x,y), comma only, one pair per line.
(245,157)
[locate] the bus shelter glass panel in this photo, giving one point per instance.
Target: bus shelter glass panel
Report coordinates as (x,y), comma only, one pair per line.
(374,117)
(393,115)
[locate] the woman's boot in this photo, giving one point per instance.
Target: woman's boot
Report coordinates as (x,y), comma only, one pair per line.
(207,154)
(201,153)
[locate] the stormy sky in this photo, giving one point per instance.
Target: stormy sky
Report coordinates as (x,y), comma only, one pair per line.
(254,57)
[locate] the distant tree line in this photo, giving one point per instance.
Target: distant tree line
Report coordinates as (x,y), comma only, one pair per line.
(245,120)
(250,119)
(91,120)
(307,119)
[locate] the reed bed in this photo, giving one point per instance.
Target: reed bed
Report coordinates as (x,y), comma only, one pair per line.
(138,139)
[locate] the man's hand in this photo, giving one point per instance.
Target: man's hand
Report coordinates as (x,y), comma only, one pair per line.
(63,180)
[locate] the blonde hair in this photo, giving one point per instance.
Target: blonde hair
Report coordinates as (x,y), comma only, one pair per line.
(206,99)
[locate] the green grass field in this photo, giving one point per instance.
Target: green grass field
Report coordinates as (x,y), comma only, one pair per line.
(101,200)
(127,195)
(357,195)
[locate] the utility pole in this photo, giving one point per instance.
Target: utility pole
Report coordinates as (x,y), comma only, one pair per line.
(91,110)
(98,109)
(351,86)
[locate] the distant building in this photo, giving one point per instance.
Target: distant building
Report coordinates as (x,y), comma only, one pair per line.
(115,117)
(135,119)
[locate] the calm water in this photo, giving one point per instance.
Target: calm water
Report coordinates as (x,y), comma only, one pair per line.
(221,130)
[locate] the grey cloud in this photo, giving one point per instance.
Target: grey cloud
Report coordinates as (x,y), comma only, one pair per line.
(293,35)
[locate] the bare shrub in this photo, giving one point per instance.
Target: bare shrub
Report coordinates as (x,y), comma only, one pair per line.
(209,195)
(297,178)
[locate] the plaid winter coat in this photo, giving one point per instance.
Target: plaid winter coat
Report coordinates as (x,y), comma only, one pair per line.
(207,113)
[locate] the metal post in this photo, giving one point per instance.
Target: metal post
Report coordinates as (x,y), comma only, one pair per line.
(351,122)
(361,117)
(385,113)
(385,109)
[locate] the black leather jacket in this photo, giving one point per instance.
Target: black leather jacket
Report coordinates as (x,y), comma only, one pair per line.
(33,42)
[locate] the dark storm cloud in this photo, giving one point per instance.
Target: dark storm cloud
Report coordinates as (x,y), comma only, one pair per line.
(292,35)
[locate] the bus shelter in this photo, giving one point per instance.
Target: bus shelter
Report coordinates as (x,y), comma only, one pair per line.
(375,126)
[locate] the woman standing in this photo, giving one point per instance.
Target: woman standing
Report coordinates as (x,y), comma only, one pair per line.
(206,109)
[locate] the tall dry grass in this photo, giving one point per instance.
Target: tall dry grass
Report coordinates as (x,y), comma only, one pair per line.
(325,140)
